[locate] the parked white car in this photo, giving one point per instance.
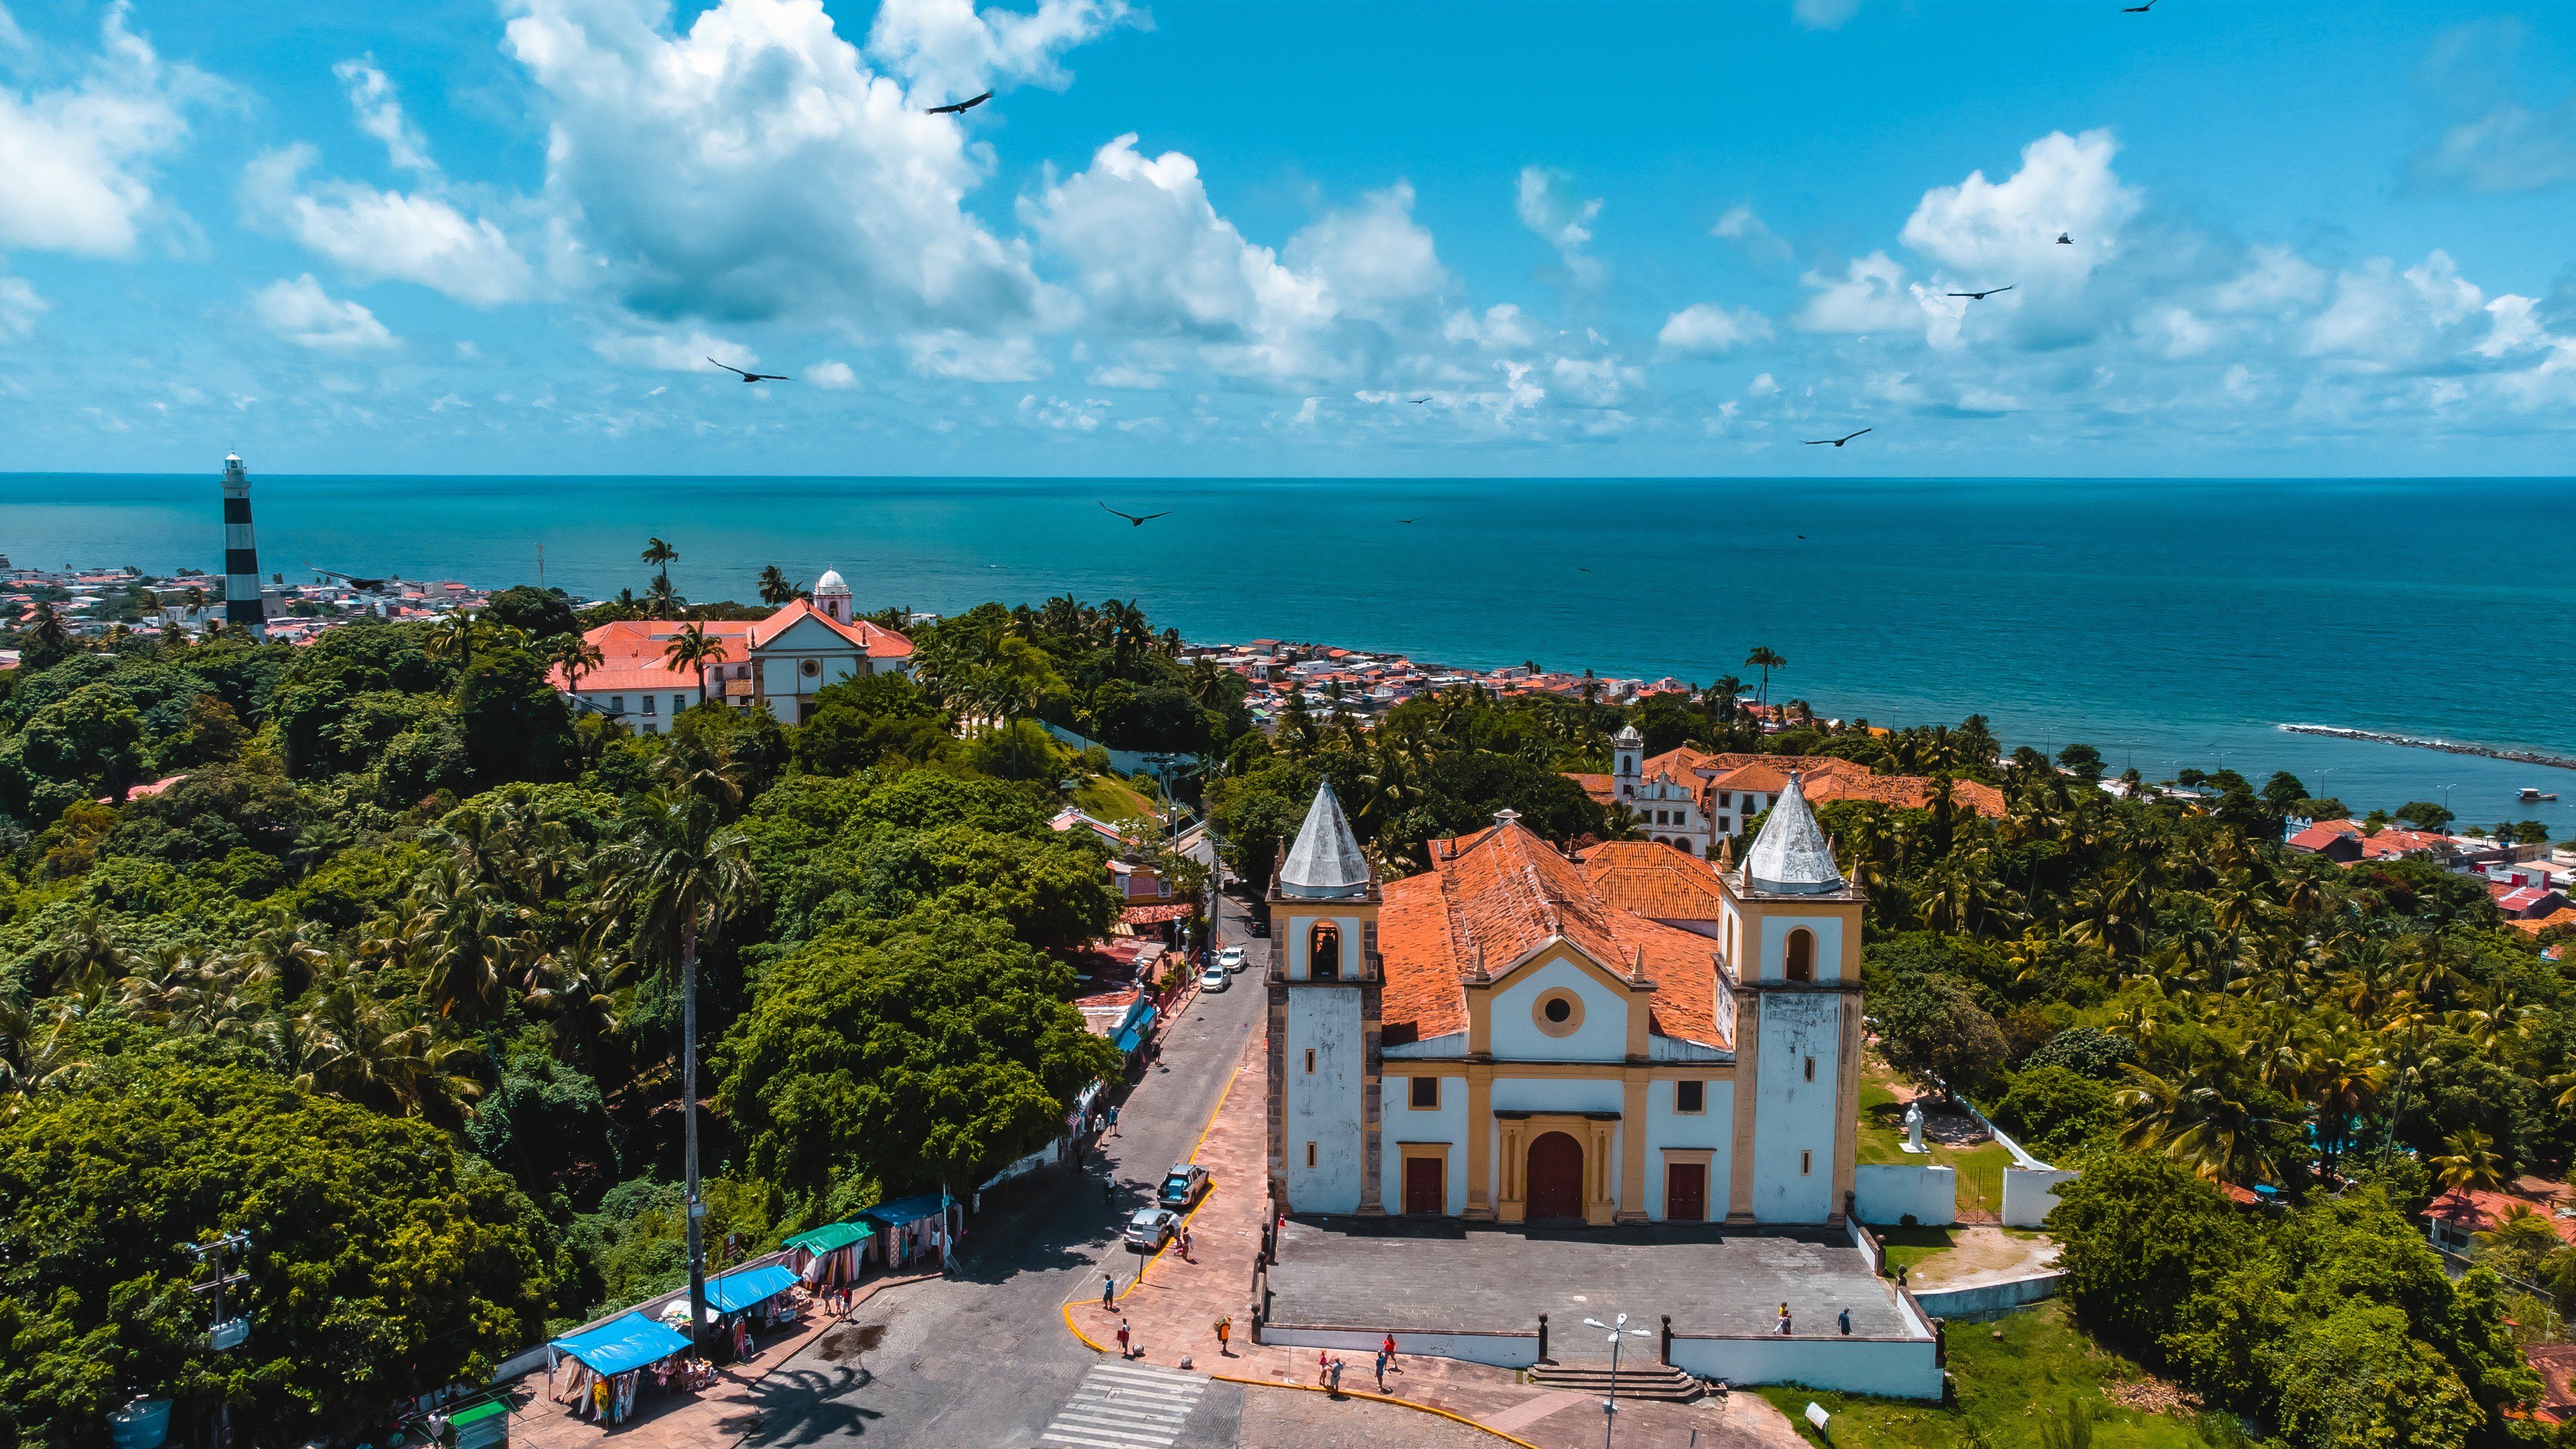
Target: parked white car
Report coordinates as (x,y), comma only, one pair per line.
(1150,1228)
(1213,979)
(1230,957)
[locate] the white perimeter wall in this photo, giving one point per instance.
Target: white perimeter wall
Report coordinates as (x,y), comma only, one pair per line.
(2030,1194)
(1792,1114)
(1886,1192)
(1323,1107)
(1502,1350)
(1603,1037)
(1713,1129)
(1447,1123)
(1894,1368)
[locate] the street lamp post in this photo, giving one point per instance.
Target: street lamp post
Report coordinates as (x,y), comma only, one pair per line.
(227,1332)
(1616,1328)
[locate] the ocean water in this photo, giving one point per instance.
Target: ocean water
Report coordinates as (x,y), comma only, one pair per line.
(2168,623)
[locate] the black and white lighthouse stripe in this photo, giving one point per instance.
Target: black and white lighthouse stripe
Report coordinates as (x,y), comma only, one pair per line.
(242,607)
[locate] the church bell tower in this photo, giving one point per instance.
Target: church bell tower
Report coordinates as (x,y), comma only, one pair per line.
(1323,985)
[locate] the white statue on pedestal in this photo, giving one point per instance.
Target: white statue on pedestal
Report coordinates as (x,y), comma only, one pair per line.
(1914,1127)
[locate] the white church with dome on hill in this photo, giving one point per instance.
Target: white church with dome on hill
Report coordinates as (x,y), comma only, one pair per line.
(778,663)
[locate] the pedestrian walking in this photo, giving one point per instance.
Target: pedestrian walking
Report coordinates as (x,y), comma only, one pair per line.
(1844,1319)
(1381,1370)
(1783,1329)
(1185,1244)
(1336,1386)
(1108,1289)
(1323,1364)
(1224,1331)
(1386,1351)
(1123,1339)
(1113,1119)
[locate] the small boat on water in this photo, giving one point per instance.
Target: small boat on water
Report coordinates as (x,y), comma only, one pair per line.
(2531,793)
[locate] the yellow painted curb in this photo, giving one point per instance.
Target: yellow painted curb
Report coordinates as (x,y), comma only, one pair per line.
(1380,1398)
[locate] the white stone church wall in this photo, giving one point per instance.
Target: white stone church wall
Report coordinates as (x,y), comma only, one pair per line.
(1446,1123)
(1713,1130)
(1603,1036)
(1323,1106)
(1793,1113)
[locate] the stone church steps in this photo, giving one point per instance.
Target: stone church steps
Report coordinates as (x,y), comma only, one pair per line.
(1661,1382)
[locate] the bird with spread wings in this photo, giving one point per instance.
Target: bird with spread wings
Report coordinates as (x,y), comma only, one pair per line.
(753,376)
(1837,442)
(1138,520)
(955,107)
(1981,296)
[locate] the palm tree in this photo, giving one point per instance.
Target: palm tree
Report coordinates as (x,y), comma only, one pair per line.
(2198,1118)
(1764,659)
(661,556)
(678,875)
(2471,1165)
(34,1054)
(470,938)
(661,600)
(46,627)
(775,588)
(692,650)
(575,656)
(455,636)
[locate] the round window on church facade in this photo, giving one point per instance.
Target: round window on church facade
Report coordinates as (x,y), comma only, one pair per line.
(810,668)
(1558,1012)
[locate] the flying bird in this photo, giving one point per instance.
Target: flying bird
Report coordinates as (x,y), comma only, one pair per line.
(1404,520)
(1422,399)
(953,107)
(1134,520)
(2138,9)
(1990,291)
(2064,240)
(1837,442)
(753,376)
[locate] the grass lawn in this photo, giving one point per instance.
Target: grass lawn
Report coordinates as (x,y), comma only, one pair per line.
(1106,799)
(1907,1247)
(1882,1139)
(2005,1384)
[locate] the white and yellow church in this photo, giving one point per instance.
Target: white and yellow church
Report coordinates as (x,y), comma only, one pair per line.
(1633,1035)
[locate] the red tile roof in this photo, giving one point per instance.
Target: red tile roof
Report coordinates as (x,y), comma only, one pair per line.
(2323,834)
(2478,1211)
(1654,881)
(2563,916)
(1599,787)
(2391,844)
(632,650)
(1492,897)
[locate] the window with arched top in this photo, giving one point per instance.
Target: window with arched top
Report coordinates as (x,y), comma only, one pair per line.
(1801,965)
(1324,952)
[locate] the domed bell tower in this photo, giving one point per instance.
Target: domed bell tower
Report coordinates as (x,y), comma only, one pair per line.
(1323,984)
(1790,953)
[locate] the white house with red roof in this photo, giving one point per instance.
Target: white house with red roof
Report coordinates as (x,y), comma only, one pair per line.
(778,664)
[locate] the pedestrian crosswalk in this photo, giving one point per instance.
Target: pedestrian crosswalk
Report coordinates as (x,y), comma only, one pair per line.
(1126,1406)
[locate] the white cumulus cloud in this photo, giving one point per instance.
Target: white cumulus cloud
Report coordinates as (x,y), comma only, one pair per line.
(948,50)
(1545,199)
(301,312)
(757,167)
(380,113)
(1709,328)
(378,235)
(77,161)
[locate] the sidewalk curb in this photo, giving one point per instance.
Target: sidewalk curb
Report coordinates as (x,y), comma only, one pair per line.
(1380,1398)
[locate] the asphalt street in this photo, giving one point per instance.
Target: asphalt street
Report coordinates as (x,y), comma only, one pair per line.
(982,1360)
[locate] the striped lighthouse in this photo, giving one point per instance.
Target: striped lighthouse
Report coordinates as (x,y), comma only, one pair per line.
(242,606)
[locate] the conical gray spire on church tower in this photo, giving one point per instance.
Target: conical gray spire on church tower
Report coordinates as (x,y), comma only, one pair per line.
(1792,857)
(1325,862)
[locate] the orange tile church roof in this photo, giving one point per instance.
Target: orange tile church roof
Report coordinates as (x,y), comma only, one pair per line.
(631,650)
(1492,897)
(1654,881)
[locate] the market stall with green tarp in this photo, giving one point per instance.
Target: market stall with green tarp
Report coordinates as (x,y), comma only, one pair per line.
(832,1254)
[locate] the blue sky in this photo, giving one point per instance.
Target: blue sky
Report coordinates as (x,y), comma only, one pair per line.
(466,236)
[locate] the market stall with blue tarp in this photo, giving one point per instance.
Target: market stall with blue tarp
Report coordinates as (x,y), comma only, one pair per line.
(918,1229)
(737,1292)
(1133,1033)
(608,1363)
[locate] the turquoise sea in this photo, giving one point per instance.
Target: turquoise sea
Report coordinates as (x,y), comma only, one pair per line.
(2169,623)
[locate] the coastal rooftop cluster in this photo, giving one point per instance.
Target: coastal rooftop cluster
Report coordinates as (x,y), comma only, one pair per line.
(1370,684)
(94,602)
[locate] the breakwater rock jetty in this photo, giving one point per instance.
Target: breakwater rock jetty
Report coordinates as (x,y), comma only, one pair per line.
(2526,757)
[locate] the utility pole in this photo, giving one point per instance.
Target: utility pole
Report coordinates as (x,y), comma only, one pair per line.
(227,1333)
